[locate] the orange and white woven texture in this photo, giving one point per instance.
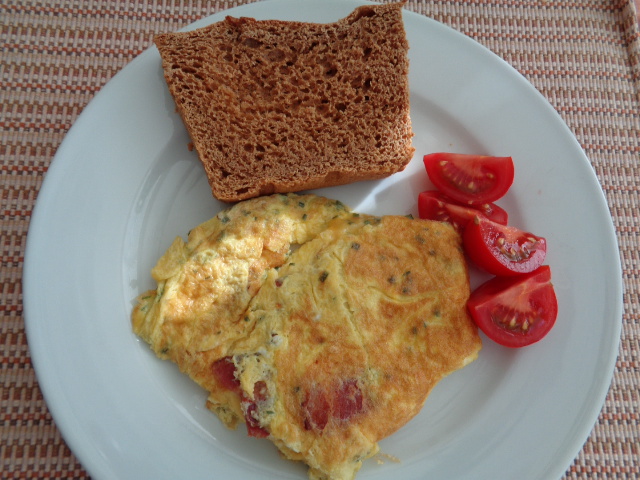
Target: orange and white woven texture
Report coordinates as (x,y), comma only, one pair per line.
(582,55)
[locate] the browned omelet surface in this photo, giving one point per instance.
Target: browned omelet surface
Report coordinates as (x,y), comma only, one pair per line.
(341,344)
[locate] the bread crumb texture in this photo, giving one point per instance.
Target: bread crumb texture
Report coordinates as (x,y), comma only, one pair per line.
(274,106)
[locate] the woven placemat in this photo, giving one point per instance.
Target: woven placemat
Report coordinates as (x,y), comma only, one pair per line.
(582,55)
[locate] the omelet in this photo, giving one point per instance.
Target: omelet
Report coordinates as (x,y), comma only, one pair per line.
(341,342)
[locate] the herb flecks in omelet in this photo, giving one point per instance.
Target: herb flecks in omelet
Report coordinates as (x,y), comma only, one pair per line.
(325,349)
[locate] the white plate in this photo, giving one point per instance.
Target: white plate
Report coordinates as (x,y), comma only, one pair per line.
(123,184)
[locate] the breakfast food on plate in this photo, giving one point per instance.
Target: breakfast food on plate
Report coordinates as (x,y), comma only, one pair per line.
(325,348)
(276,106)
(518,307)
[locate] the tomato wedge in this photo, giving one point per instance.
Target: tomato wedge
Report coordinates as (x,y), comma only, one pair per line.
(503,250)
(470,179)
(494,213)
(515,311)
(433,205)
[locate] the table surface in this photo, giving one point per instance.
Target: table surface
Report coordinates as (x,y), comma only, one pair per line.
(582,55)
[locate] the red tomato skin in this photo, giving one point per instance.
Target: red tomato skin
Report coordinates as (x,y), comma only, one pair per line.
(530,294)
(470,179)
(481,243)
(494,213)
(433,205)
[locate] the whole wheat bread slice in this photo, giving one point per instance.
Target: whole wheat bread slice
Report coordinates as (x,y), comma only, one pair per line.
(275,106)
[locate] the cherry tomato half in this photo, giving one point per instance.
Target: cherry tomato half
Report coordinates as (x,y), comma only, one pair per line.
(470,179)
(503,250)
(433,205)
(515,311)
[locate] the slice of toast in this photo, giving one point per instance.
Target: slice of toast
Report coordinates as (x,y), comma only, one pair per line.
(274,106)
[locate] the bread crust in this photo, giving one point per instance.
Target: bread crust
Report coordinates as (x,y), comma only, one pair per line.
(274,106)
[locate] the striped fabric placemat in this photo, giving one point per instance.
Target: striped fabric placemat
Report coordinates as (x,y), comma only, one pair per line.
(582,55)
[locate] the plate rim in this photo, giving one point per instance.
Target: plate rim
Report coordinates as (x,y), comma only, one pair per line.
(58,164)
